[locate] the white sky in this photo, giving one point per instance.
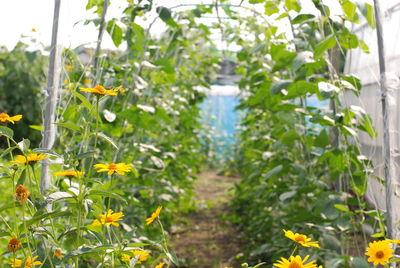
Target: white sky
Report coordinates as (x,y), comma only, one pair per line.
(18,17)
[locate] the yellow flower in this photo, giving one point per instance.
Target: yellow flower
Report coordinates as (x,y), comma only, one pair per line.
(142,256)
(87,81)
(120,168)
(100,90)
(154,215)
(14,244)
(21,193)
(57,253)
(31,158)
(301,239)
(31,262)
(109,218)
(69,68)
(379,252)
(5,118)
(160,265)
(69,173)
(15,263)
(33,30)
(295,262)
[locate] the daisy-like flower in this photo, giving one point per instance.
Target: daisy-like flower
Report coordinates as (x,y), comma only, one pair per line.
(110,218)
(32,262)
(295,262)
(301,239)
(143,256)
(70,173)
(99,90)
(154,215)
(13,244)
(21,193)
(5,118)
(119,168)
(160,265)
(57,253)
(15,263)
(32,158)
(379,252)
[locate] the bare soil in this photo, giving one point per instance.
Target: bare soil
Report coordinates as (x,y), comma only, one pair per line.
(207,240)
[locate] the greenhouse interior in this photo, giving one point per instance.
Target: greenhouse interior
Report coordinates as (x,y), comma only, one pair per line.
(200,134)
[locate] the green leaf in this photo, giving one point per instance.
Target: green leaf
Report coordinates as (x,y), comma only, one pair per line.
(327,90)
(50,215)
(165,14)
(70,126)
(5,131)
(108,139)
(270,8)
(349,9)
(115,32)
(287,195)
(327,43)
(302,58)
(273,171)
(302,18)
(322,140)
(292,5)
(369,13)
(378,235)
(106,194)
(84,101)
(360,262)
(342,207)
(36,127)
(84,155)
(138,38)
(46,151)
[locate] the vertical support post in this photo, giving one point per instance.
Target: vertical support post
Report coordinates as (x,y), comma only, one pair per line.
(49,132)
(99,39)
(387,151)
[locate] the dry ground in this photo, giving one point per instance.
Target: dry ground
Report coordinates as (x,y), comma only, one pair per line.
(207,240)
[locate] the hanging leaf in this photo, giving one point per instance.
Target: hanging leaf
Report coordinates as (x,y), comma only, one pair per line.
(108,139)
(349,9)
(115,32)
(165,14)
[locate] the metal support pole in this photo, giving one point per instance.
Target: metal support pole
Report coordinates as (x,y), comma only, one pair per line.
(49,132)
(387,152)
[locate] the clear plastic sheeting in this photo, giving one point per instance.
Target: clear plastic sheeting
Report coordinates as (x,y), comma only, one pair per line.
(366,67)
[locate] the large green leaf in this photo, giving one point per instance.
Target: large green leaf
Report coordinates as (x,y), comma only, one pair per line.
(115,32)
(325,44)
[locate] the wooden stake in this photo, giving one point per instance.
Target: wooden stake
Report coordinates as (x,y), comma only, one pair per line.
(387,153)
(49,132)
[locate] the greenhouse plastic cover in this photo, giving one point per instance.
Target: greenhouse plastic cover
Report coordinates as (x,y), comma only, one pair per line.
(366,67)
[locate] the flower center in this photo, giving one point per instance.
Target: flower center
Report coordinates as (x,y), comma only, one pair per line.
(300,239)
(3,116)
(294,264)
(379,254)
(112,166)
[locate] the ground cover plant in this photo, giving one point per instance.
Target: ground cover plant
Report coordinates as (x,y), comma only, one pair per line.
(128,144)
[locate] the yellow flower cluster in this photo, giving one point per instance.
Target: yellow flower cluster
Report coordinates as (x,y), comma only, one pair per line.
(29,262)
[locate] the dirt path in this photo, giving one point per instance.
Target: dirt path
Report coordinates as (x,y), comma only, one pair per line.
(207,240)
